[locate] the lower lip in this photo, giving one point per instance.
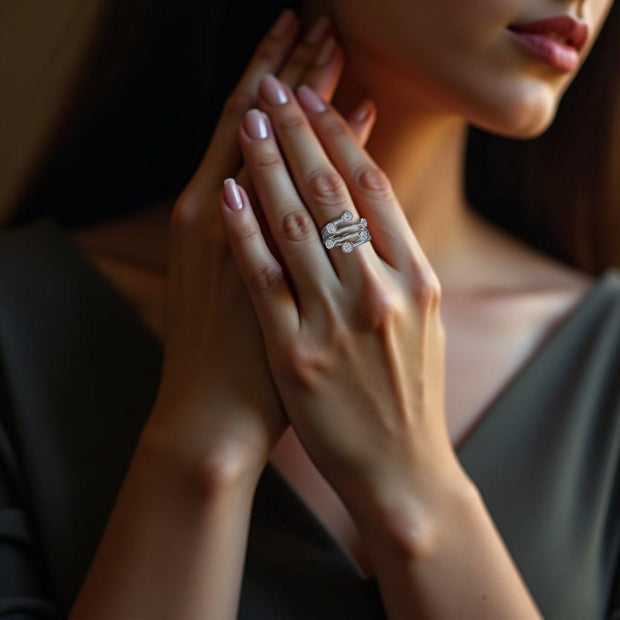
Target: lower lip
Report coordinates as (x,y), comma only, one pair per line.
(559,56)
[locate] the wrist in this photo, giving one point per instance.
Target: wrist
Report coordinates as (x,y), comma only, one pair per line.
(203,470)
(407,516)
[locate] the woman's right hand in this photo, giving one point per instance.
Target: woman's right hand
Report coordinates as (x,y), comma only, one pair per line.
(217,408)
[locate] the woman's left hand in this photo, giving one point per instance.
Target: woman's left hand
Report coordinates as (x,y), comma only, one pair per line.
(355,341)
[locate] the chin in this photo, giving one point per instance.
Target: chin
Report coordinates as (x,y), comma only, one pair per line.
(509,102)
(502,98)
(524,114)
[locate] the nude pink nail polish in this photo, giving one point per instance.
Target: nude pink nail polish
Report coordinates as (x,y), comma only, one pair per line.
(362,112)
(255,124)
(271,89)
(232,195)
(310,100)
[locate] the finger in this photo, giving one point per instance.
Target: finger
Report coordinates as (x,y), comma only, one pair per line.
(371,190)
(322,189)
(325,71)
(318,62)
(306,51)
(323,74)
(261,273)
(291,225)
(362,120)
(319,66)
(223,157)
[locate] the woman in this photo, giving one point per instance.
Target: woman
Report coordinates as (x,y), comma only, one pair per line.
(411,507)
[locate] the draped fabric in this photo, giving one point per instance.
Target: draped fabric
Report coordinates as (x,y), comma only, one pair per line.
(78,376)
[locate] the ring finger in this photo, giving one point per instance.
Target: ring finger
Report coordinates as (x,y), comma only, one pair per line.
(291,225)
(320,185)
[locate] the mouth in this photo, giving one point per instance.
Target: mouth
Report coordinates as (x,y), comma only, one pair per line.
(565,29)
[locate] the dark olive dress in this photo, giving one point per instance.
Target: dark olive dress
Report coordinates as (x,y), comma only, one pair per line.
(78,376)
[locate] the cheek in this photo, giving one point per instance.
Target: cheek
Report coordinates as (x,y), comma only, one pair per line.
(455,54)
(427,39)
(425,23)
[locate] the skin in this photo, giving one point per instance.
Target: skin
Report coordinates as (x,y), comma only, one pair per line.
(387,295)
(174,544)
(437,66)
(375,429)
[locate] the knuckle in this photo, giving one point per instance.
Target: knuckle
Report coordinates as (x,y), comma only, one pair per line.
(238,103)
(382,307)
(297,226)
(245,231)
(304,363)
(427,290)
(373,180)
(334,129)
(292,123)
(266,278)
(384,313)
(327,187)
(268,161)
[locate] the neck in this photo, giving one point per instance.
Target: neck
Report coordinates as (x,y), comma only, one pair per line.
(422,152)
(421,147)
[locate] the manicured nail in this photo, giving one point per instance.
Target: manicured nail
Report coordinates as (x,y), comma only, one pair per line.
(326,52)
(255,124)
(282,24)
(318,30)
(272,90)
(310,100)
(232,196)
(362,113)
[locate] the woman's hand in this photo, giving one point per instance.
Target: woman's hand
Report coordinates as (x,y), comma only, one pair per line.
(216,405)
(354,340)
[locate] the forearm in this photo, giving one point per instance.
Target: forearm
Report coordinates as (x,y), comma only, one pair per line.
(441,557)
(174,546)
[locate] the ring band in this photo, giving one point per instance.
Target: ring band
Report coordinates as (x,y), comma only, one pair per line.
(346,235)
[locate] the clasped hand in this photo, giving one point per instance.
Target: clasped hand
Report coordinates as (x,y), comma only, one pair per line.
(264,326)
(354,341)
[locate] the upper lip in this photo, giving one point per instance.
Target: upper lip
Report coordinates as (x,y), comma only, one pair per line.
(575,31)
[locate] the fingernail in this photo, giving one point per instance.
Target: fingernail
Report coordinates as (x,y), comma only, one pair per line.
(232,197)
(326,52)
(272,90)
(362,112)
(282,24)
(319,29)
(255,124)
(310,100)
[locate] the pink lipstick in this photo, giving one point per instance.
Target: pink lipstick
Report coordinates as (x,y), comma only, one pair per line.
(557,40)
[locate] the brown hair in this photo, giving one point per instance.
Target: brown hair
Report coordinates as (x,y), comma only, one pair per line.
(559,192)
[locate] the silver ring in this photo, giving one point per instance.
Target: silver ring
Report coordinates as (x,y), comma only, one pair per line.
(346,235)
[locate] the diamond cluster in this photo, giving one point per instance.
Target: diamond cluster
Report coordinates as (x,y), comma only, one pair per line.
(347,236)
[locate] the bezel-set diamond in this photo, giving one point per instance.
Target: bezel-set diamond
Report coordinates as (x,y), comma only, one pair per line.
(347,236)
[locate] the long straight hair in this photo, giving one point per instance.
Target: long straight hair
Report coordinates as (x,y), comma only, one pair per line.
(139,127)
